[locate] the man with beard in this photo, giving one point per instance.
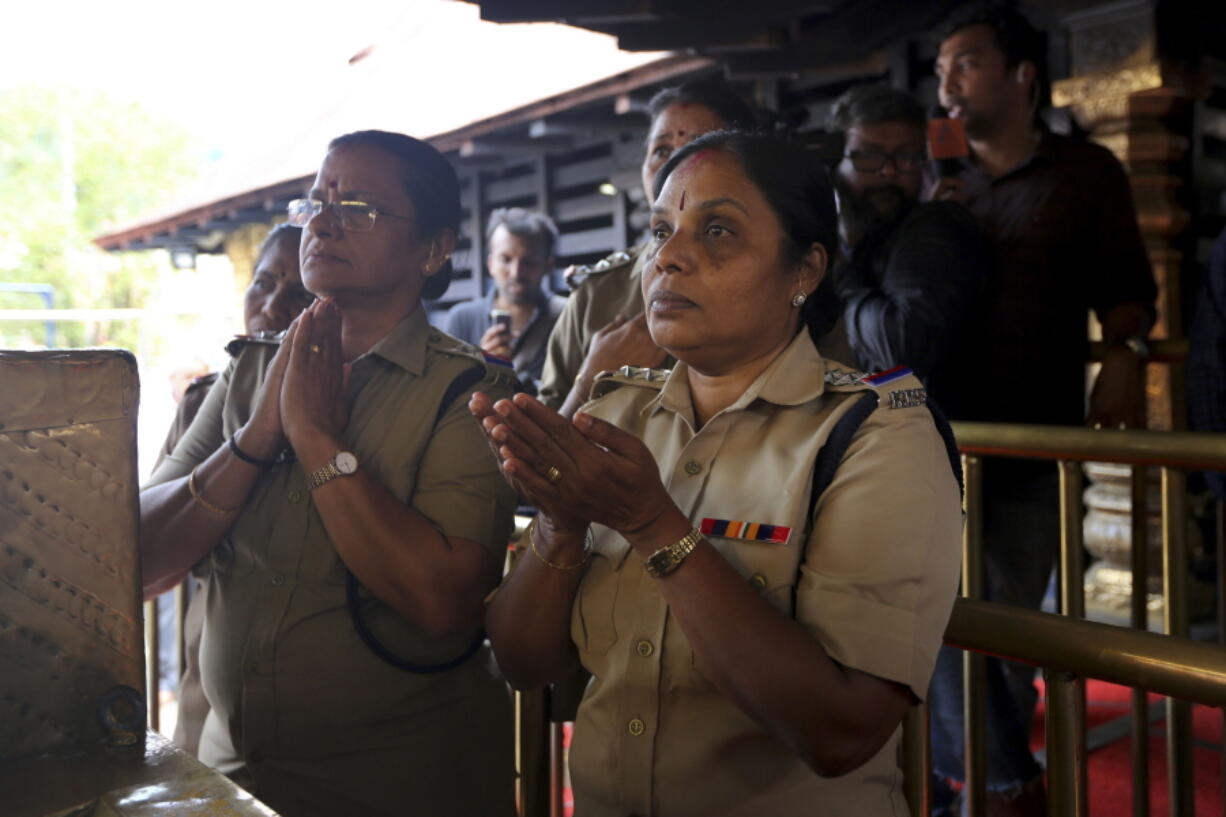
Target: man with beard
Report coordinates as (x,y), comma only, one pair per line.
(521,247)
(910,273)
(1062,237)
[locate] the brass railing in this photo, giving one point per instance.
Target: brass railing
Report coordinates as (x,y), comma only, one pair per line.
(1170,664)
(1068,649)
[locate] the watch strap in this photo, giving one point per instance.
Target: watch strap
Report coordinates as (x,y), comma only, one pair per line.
(669,558)
(323,475)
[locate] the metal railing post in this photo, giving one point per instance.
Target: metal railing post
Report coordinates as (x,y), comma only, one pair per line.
(1066,744)
(557,771)
(180,631)
(152,667)
(1066,701)
(1220,532)
(974,676)
(1174,586)
(917,754)
(1139,558)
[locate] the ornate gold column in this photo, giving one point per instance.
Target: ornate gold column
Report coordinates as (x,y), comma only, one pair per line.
(1134,102)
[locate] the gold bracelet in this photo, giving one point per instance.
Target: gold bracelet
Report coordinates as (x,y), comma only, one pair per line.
(587,550)
(204,503)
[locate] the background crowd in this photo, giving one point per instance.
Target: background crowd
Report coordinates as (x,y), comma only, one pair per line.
(661,404)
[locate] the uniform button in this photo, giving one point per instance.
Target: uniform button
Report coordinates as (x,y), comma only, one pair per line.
(693,468)
(278,579)
(255,756)
(644,648)
(636,727)
(758,581)
(295,497)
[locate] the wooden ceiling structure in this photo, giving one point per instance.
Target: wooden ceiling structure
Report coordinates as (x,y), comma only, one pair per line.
(762,39)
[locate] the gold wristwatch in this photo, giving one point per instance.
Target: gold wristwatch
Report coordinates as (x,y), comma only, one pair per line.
(669,558)
(342,464)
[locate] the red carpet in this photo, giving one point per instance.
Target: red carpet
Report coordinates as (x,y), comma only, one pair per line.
(1111,765)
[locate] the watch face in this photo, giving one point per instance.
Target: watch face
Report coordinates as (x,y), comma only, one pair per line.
(346,462)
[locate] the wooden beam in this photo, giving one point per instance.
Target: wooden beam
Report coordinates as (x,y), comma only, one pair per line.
(725,32)
(861,27)
(590,11)
(588,126)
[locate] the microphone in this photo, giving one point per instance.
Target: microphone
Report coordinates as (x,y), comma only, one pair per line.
(947,145)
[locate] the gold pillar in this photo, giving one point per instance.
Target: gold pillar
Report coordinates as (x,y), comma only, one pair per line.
(1129,110)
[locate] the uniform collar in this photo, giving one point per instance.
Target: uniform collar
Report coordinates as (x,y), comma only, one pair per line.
(796,375)
(405,345)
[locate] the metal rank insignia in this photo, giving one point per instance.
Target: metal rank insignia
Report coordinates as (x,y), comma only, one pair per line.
(907,398)
(643,373)
(842,377)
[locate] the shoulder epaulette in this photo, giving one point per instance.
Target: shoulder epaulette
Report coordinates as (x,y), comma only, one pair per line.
(501,368)
(908,392)
(629,376)
(240,342)
(585,272)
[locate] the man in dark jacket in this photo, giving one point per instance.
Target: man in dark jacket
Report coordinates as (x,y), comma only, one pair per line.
(909,273)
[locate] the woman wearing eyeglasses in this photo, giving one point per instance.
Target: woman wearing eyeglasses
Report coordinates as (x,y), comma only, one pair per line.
(350,520)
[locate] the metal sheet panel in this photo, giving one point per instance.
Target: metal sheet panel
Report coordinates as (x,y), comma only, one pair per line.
(71,655)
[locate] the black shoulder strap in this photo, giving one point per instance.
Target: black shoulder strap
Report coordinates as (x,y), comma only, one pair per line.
(462,383)
(832,453)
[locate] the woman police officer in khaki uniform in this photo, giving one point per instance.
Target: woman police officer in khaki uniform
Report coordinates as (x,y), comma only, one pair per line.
(746,658)
(385,527)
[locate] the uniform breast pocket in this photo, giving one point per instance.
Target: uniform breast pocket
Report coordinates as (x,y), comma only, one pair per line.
(771,569)
(593,625)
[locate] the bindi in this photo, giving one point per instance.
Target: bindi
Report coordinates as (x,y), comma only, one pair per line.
(683,201)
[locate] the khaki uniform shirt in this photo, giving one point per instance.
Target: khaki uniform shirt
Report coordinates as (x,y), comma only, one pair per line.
(299,704)
(606,292)
(873,578)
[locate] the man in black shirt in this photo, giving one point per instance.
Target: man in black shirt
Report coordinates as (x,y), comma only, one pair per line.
(909,273)
(1063,239)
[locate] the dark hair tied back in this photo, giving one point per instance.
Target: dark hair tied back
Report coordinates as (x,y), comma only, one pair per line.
(431,184)
(709,92)
(796,184)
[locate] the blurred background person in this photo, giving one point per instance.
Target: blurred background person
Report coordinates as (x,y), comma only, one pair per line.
(521,255)
(909,274)
(350,519)
(603,325)
(1207,357)
(273,299)
(1062,237)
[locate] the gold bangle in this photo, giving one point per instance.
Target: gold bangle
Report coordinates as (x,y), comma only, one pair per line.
(587,550)
(204,503)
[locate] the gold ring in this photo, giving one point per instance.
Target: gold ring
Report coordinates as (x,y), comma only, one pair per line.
(553,475)
(315,348)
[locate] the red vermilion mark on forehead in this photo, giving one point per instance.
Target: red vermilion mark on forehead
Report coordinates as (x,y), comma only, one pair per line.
(683,201)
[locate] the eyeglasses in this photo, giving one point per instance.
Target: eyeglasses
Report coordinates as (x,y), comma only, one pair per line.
(357,216)
(872,161)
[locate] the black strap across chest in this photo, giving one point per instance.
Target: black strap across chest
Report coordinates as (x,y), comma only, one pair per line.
(463,382)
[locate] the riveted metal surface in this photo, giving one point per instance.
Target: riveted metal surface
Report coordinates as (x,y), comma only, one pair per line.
(71,655)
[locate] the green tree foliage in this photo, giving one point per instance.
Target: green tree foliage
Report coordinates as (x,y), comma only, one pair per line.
(75,163)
